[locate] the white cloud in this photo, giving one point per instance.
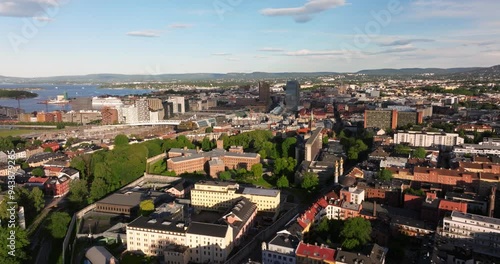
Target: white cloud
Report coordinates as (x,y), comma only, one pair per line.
(403,42)
(27,8)
(395,50)
(221,54)
(306,52)
(268,49)
(144,33)
(233,59)
(44,19)
(180,26)
(304,13)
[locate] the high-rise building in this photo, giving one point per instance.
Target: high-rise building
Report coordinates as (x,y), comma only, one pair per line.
(265,93)
(292,97)
(109,116)
(387,118)
(142,110)
(130,114)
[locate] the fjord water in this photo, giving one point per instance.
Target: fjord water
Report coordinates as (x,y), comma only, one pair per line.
(50,91)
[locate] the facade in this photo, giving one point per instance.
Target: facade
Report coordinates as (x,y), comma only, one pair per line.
(428,139)
(352,195)
(45,117)
(265,93)
(130,114)
(292,97)
(314,145)
(142,110)
(386,118)
(187,160)
(178,104)
(219,196)
(479,233)
(57,186)
(375,255)
(109,116)
(281,249)
(82,117)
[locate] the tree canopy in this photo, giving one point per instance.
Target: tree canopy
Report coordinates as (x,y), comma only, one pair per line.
(38,172)
(384,175)
(257,170)
(419,153)
(310,181)
(147,207)
(225,175)
(282,182)
(58,224)
(121,140)
(355,233)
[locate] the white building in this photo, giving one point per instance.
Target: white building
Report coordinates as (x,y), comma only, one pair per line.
(352,195)
(179,105)
(479,233)
(142,110)
(281,249)
(130,114)
(112,102)
(428,139)
(489,146)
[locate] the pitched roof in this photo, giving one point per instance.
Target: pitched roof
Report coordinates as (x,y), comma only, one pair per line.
(206,229)
(315,252)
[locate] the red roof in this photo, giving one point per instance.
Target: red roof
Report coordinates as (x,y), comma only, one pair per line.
(322,202)
(37,180)
(453,206)
(315,252)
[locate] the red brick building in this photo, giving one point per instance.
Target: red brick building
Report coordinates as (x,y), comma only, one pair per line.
(57,186)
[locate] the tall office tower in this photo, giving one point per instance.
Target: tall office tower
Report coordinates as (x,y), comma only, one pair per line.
(265,93)
(142,110)
(292,98)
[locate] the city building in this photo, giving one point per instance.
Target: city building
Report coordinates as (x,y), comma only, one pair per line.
(292,97)
(265,93)
(352,195)
(109,116)
(313,145)
(428,139)
(178,104)
(83,117)
(130,114)
(479,233)
(219,196)
(142,110)
(281,249)
(385,119)
(57,186)
(127,202)
(489,146)
(212,162)
(371,255)
(101,102)
(314,254)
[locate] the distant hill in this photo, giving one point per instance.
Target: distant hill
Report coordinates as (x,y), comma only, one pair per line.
(461,73)
(417,71)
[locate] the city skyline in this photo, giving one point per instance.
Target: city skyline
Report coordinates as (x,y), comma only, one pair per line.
(54,38)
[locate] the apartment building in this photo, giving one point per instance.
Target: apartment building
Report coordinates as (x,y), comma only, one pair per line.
(314,254)
(387,118)
(281,249)
(352,195)
(428,139)
(314,145)
(219,196)
(479,233)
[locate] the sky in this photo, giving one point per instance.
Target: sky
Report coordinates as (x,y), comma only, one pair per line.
(76,37)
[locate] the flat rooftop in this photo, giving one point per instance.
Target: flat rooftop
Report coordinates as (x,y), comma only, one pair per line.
(260,191)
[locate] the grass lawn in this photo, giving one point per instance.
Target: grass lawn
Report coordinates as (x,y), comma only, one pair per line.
(16,132)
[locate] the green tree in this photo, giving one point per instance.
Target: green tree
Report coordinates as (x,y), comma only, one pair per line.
(37,198)
(147,207)
(257,170)
(419,153)
(48,149)
(209,130)
(20,241)
(207,144)
(288,147)
(384,175)
(412,191)
(282,182)
(310,181)
(355,233)
(98,190)
(78,192)
(38,172)
(58,224)
(6,144)
(402,149)
(225,176)
(263,154)
(325,140)
(121,140)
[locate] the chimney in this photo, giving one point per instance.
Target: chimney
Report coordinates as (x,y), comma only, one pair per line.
(374,209)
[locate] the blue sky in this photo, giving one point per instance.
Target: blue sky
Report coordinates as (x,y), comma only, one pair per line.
(73,37)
